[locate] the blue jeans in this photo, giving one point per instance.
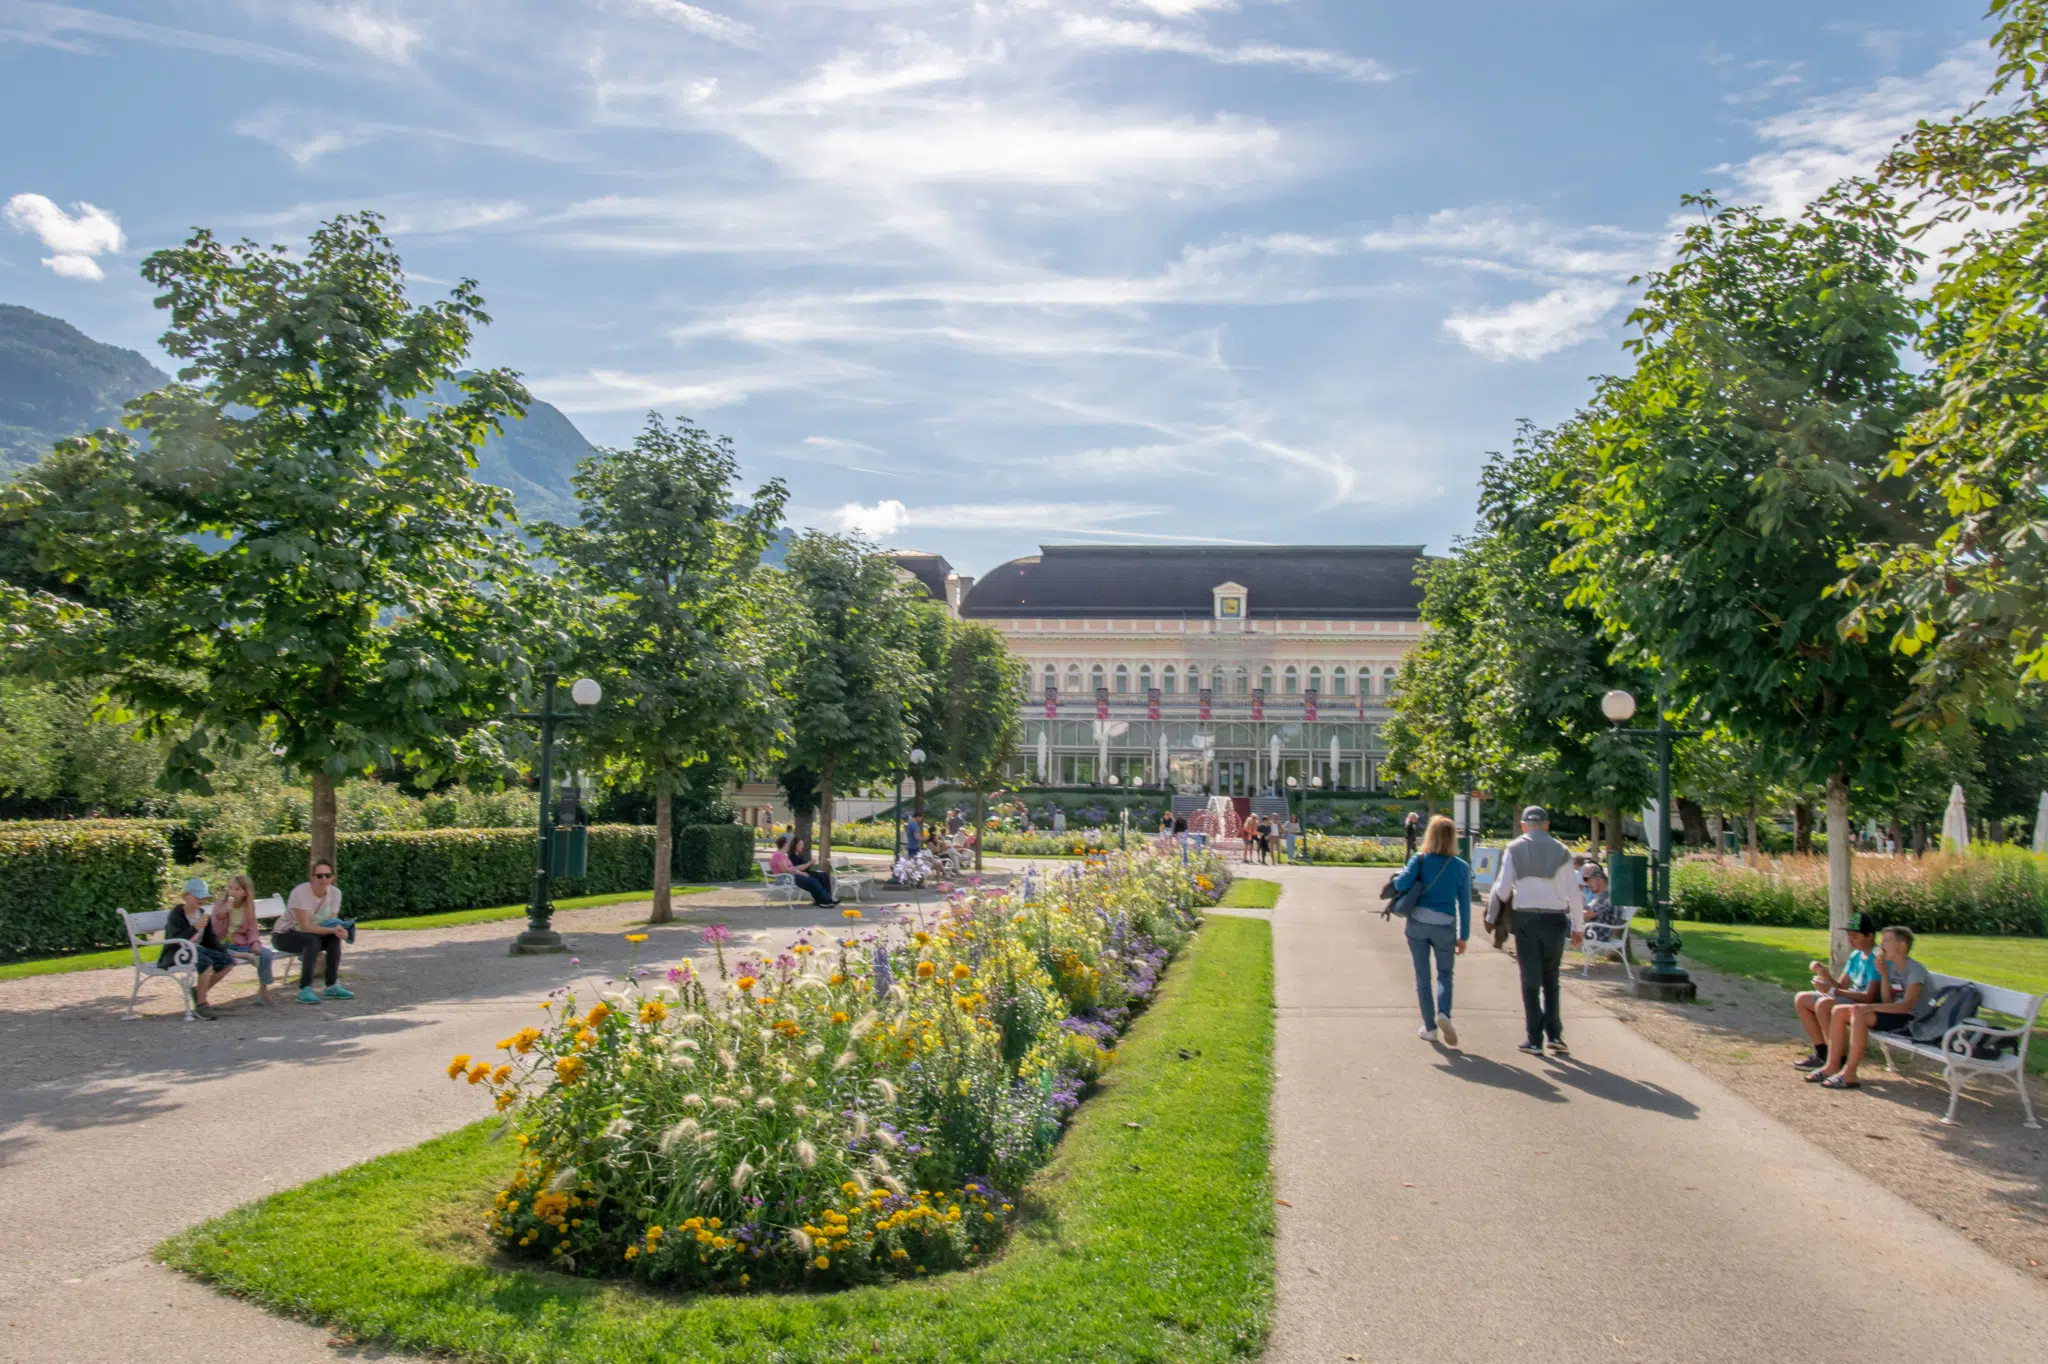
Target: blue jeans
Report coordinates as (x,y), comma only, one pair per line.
(1441,939)
(262,954)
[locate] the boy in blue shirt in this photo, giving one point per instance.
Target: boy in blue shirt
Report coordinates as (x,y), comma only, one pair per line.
(1859,983)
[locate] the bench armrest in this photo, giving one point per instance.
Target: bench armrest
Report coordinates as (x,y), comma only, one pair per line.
(1959,1039)
(185,954)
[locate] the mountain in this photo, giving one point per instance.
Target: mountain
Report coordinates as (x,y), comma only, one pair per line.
(55,381)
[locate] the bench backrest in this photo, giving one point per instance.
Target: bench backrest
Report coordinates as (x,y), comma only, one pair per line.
(141,925)
(269,907)
(1997,998)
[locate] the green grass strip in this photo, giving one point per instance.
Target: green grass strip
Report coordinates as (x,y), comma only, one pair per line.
(1148,1238)
(1251,893)
(119,956)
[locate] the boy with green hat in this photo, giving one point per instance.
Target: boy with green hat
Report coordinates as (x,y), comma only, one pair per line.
(1859,983)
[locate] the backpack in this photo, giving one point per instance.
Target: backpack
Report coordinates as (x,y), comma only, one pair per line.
(1409,900)
(1953,1005)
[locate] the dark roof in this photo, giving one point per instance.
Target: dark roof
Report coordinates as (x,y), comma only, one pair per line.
(929,569)
(1292,582)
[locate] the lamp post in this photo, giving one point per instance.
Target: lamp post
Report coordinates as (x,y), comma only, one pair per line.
(1666,979)
(540,938)
(916,760)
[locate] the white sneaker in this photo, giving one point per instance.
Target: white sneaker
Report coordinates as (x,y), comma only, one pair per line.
(1447,1028)
(1426,1034)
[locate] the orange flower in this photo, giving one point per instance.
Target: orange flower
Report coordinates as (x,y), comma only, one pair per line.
(458,1065)
(925,970)
(479,1073)
(745,982)
(599,1012)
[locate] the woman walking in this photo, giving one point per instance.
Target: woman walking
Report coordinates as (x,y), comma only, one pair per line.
(1440,924)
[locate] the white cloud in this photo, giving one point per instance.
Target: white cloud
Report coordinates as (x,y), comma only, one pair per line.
(1090,30)
(361,27)
(1836,136)
(889,516)
(51,25)
(1536,327)
(878,522)
(698,20)
(75,238)
(1178,9)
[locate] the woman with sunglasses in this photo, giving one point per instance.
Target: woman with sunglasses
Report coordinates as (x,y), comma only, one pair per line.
(310,928)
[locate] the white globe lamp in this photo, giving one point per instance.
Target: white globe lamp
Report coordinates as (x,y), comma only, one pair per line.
(585,692)
(1618,706)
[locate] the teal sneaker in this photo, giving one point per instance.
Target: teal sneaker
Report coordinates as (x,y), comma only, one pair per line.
(338,992)
(306,996)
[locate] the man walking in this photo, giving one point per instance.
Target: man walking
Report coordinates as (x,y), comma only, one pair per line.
(1550,905)
(1411,830)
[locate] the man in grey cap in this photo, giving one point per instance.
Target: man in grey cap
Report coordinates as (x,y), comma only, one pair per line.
(1550,906)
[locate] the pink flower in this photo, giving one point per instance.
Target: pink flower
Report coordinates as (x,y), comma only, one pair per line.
(718,933)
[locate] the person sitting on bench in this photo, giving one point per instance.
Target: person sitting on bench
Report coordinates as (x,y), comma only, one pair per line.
(1859,983)
(781,864)
(1907,995)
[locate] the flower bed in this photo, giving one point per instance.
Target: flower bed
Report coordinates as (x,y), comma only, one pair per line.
(995,842)
(2000,891)
(1368,852)
(849,1110)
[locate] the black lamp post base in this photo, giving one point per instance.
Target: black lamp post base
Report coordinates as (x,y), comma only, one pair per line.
(1675,987)
(545,943)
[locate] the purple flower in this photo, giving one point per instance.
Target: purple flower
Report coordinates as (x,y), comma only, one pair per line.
(718,933)
(883,979)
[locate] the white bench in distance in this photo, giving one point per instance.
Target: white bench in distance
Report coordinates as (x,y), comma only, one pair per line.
(184,965)
(1953,1050)
(782,889)
(1608,940)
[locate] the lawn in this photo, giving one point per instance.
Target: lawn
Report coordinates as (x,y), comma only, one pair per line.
(1781,954)
(119,956)
(1251,893)
(1149,1237)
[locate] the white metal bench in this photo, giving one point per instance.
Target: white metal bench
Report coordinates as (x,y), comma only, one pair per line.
(782,889)
(850,880)
(1608,940)
(1954,1049)
(184,964)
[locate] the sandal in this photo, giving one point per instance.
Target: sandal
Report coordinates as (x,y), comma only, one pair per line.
(1818,1077)
(1837,1082)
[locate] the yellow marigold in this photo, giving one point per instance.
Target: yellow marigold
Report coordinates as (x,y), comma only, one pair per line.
(925,970)
(653,1011)
(506,1098)
(636,937)
(599,1012)
(838,978)
(525,1040)
(849,914)
(479,1073)
(458,1065)
(585,1039)
(961,971)
(822,1262)
(745,982)
(838,1016)
(922,938)
(570,1069)
(501,1075)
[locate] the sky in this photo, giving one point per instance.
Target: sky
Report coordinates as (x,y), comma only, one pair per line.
(975,277)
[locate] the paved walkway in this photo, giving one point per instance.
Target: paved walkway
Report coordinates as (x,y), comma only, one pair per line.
(1442,1205)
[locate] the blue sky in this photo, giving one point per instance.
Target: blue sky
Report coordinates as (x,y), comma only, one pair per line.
(973,277)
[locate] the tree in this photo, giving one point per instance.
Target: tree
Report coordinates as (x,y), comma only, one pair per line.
(1970,602)
(852,672)
(1746,454)
(980,686)
(931,634)
(1724,771)
(1525,668)
(286,557)
(672,627)
(1431,738)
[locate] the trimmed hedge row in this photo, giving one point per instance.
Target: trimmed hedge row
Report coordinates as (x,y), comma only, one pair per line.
(182,835)
(60,885)
(395,875)
(1997,891)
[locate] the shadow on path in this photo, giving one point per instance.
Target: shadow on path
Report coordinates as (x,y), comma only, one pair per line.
(1567,1071)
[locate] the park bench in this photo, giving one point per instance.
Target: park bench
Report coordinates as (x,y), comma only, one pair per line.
(782,889)
(1608,940)
(849,880)
(184,963)
(1955,1050)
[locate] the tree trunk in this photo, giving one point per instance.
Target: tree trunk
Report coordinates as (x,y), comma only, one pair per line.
(800,824)
(1802,829)
(1839,854)
(1919,839)
(917,794)
(321,845)
(1717,827)
(1611,826)
(824,858)
(1693,821)
(664,856)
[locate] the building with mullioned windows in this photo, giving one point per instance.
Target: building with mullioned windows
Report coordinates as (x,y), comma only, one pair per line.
(1223,668)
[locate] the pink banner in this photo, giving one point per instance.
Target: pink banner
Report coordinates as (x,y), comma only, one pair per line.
(1102,703)
(1258,703)
(1052,703)
(1204,700)
(1152,704)
(1308,706)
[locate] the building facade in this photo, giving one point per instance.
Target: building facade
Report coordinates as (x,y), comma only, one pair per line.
(1228,669)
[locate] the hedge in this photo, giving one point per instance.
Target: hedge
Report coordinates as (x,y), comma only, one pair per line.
(182,835)
(1997,891)
(393,875)
(60,885)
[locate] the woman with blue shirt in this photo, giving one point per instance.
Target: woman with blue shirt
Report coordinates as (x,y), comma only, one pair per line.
(1440,923)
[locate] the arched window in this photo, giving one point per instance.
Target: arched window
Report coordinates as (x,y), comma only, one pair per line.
(1266,680)
(1074,678)
(1145,677)
(1244,683)
(1338,683)
(1123,679)
(1315,680)
(1290,681)
(1216,682)
(1386,682)
(1050,684)
(1095,678)
(1167,679)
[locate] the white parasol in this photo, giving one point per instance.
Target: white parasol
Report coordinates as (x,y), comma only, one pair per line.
(1044,756)
(2041,826)
(1165,777)
(1955,825)
(1334,769)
